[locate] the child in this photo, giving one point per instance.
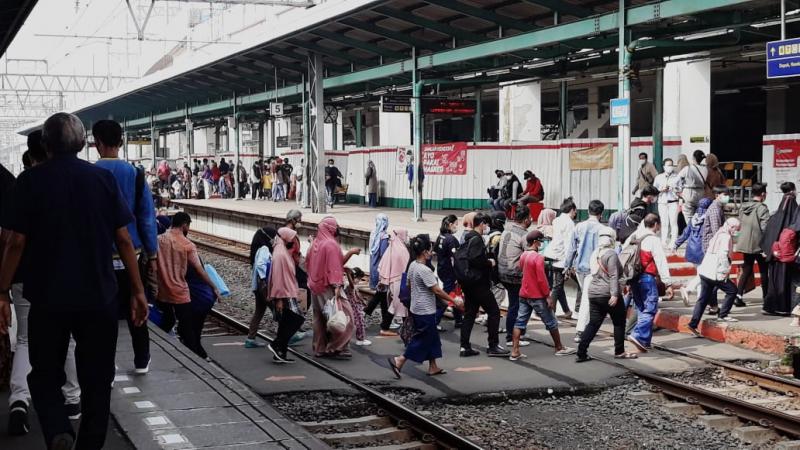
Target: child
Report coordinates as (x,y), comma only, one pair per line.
(266,181)
(357,303)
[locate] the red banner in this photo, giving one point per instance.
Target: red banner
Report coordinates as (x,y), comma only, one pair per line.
(786,154)
(445,159)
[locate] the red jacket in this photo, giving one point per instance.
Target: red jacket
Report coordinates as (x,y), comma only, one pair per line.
(534,280)
(533,187)
(785,247)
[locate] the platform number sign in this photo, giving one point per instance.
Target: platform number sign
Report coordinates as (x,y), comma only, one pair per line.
(783,58)
(276,109)
(620,111)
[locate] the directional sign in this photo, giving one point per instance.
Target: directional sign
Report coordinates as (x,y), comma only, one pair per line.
(620,111)
(783,58)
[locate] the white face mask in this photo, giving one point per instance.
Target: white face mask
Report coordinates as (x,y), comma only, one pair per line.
(724,199)
(642,162)
(669,169)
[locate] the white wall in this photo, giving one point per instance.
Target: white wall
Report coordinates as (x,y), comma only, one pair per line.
(521,112)
(394,128)
(687,102)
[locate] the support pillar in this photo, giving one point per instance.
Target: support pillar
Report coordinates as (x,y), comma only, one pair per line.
(563,96)
(237,151)
(623,136)
(476,127)
(358,131)
(521,112)
(316,134)
(304,163)
(658,120)
(125,142)
(417,120)
(153,140)
(189,140)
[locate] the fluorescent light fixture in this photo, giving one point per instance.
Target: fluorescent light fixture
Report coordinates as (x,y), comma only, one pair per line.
(592,56)
(558,80)
(380,92)
(467,76)
(753,54)
(775,87)
(498,72)
(403,88)
(604,75)
(726,91)
(539,64)
(703,35)
(772,23)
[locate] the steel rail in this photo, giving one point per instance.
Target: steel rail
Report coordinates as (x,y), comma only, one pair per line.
(420,423)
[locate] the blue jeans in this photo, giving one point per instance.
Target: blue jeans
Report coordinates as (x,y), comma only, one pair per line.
(528,306)
(645,297)
(373,200)
(513,308)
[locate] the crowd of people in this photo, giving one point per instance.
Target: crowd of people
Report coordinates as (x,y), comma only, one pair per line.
(121,261)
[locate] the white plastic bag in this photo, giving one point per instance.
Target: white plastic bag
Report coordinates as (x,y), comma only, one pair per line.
(338,320)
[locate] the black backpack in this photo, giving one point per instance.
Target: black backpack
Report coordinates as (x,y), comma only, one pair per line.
(464,273)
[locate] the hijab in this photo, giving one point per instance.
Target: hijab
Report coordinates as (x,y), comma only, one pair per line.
(606,240)
(283,282)
(723,238)
(700,214)
(546,217)
(683,161)
(324,261)
(381,224)
(396,258)
(262,237)
(784,217)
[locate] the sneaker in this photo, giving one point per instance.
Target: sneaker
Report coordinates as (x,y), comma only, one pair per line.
(498,351)
(467,352)
(63,441)
(252,343)
(566,351)
(695,332)
(439,328)
(521,343)
(739,302)
(364,342)
(73,411)
(394,326)
(282,359)
(728,319)
(566,315)
(18,419)
(142,370)
(637,344)
(297,337)
(712,311)
(581,359)
(577,337)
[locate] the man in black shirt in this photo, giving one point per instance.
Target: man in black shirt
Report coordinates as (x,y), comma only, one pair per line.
(332,180)
(478,294)
(64,236)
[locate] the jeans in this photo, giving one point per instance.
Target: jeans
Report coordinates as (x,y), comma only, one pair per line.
(255,189)
(379,299)
(185,316)
(528,306)
(140,336)
(558,289)
(95,334)
(21,365)
(329,189)
(725,286)
(747,271)
(373,200)
(598,309)
(645,297)
(513,308)
(476,297)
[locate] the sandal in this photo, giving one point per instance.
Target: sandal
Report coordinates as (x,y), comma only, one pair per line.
(438,372)
(518,357)
(394,367)
(626,355)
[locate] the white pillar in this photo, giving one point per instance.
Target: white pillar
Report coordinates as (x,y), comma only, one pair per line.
(594,112)
(394,128)
(340,130)
(521,112)
(687,103)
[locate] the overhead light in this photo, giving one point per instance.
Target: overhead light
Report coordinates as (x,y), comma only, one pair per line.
(775,87)
(726,91)
(593,56)
(772,23)
(703,35)
(380,92)
(537,65)
(498,72)
(753,54)
(558,80)
(467,76)
(604,75)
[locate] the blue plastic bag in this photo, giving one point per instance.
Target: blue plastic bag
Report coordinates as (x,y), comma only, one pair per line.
(217,280)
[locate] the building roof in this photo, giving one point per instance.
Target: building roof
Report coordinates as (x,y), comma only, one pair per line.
(12,15)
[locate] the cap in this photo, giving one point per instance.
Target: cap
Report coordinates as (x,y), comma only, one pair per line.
(534,235)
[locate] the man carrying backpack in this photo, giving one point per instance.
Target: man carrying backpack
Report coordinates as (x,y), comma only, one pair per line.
(643,277)
(512,246)
(473,268)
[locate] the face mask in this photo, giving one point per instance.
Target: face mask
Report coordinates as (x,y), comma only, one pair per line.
(642,162)
(485,230)
(669,169)
(735,233)
(724,199)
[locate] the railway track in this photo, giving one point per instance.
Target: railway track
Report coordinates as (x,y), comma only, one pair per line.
(226,247)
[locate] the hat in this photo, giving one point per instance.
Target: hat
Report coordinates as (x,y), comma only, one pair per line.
(533,236)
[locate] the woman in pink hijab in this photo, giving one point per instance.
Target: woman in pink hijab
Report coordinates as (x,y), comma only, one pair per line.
(391,268)
(545,222)
(325,264)
(283,293)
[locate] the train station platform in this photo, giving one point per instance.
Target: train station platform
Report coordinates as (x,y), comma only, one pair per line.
(183,402)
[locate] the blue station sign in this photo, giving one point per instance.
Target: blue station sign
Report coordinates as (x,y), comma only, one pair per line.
(783,58)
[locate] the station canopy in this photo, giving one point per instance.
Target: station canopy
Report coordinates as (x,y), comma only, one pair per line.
(12,15)
(367,46)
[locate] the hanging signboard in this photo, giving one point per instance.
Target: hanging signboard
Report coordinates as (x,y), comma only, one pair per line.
(785,163)
(401,159)
(445,159)
(454,107)
(620,111)
(592,158)
(783,58)
(396,104)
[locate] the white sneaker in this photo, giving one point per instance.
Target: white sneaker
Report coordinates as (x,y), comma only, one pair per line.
(577,337)
(364,343)
(566,351)
(143,370)
(522,343)
(394,326)
(727,319)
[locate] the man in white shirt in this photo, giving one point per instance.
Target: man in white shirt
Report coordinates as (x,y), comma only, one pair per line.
(693,179)
(563,227)
(668,184)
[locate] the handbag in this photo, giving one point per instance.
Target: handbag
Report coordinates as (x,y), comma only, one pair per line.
(338,321)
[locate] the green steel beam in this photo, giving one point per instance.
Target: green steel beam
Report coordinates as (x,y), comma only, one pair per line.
(484,14)
(401,37)
(563,7)
(355,43)
(443,28)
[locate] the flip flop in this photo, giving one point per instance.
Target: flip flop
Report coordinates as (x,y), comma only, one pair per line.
(394,367)
(439,372)
(516,358)
(626,356)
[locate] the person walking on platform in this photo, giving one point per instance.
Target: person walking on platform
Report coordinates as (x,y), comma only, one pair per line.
(753,217)
(715,272)
(646,175)
(693,237)
(371,178)
(325,277)
(135,192)
(286,170)
(332,181)
(299,176)
(534,295)
(605,297)
(85,202)
(512,246)
(473,269)
(261,247)
(378,244)
(715,216)
(556,251)
(282,294)
(466,222)
(391,268)
(668,185)
(425,344)
(445,248)
(20,397)
(654,268)
(580,247)
(255,181)
(779,292)
(175,254)
(693,179)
